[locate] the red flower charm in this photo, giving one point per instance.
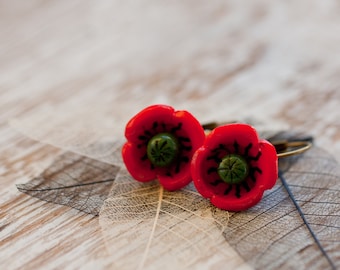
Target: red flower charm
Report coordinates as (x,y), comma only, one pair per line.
(161,143)
(233,167)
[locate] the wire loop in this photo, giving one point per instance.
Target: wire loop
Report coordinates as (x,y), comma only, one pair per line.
(288,148)
(283,148)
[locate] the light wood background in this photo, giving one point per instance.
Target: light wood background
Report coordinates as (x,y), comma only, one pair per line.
(73,66)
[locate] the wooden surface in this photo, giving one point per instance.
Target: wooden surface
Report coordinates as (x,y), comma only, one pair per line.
(74,72)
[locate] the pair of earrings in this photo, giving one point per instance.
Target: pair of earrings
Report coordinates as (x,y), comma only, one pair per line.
(231,166)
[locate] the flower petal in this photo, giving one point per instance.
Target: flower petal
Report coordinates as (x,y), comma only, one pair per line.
(177,181)
(268,164)
(192,128)
(198,172)
(145,119)
(260,153)
(265,180)
(237,204)
(243,134)
(153,120)
(136,168)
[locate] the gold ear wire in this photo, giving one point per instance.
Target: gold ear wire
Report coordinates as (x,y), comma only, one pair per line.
(283,148)
(287,149)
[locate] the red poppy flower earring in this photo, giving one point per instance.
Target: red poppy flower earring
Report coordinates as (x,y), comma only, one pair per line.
(231,166)
(160,144)
(234,167)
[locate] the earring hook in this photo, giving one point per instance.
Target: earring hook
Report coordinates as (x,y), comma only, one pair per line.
(283,148)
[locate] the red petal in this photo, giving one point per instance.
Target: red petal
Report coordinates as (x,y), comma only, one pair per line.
(266,180)
(237,204)
(243,134)
(144,120)
(192,128)
(136,168)
(198,171)
(178,181)
(268,163)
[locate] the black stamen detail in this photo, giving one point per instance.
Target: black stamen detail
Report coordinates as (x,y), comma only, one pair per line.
(181,160)
(211,170)
(148,133)
(238,191)
(246,186)
(216,182)
(246,151)
(145,157)
(164,126)
(168,174)
(142,137)
(252,173)
(257,169)
(236,147)
(183,139)
(219,148)
(226,192)
(155,125)
(255,158)
(185,159)
(215,158)
(178,127)
(177,167)
(186,148)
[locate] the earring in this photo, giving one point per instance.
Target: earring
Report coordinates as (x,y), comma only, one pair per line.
(160,145)
(234,167)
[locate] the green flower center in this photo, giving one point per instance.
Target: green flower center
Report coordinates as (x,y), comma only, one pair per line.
(233,169)
(162,149)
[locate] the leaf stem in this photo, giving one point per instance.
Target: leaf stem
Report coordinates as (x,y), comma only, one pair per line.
(22,189)
(147,249)
(323,251)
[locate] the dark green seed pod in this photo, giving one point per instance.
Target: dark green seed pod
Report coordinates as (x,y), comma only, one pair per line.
(233,169)
(162,149)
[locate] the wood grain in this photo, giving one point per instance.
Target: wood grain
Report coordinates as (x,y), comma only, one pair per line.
(92,65)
